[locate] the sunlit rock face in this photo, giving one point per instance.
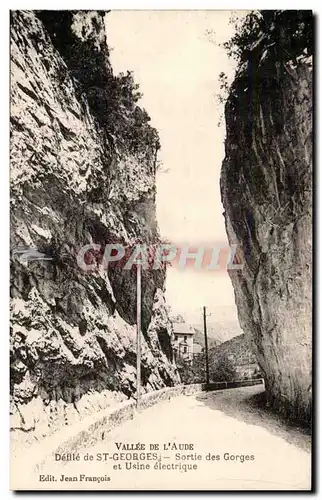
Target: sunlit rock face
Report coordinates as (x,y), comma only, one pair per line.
(266,186)
(82,171)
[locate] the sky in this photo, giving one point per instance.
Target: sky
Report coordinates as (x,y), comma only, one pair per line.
(176,59)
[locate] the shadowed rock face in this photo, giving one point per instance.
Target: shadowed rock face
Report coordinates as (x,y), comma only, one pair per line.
(266,186)
(82,171)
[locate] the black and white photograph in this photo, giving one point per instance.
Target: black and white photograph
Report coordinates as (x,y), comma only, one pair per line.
(161,250)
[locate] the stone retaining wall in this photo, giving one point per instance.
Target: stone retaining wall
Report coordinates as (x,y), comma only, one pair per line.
(94,428)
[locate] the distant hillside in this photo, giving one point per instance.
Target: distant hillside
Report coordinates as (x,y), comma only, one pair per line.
(237,348)
(222,323)
(199,338)
(239,351)
(230,360)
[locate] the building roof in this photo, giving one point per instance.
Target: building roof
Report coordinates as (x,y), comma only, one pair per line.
(183,329)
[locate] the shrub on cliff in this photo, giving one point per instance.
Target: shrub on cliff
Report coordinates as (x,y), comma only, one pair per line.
(112,98)
(290,31)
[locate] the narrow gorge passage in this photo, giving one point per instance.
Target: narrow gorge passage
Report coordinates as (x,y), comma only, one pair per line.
(161,244)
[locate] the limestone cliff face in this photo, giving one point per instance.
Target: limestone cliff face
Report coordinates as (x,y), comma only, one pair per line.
(266,186)
(82,171)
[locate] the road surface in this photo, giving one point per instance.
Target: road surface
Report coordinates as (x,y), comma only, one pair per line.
(220,429)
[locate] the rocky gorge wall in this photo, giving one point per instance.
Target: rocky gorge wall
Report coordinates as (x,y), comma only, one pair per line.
(266,187)
(83,159)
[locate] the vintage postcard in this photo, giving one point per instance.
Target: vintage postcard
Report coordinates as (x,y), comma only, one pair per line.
(161,250)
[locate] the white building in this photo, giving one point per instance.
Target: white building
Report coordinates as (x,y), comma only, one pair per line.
(197,348)
(183,341)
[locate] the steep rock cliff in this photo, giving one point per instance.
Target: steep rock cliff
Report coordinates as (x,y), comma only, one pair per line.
(266,186)
(83,161)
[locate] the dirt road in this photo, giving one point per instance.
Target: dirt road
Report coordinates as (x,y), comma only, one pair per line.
(231,444)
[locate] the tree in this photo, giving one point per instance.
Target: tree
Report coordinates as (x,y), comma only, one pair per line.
(192,373)
(113,99)
(289,32)
(223,369)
